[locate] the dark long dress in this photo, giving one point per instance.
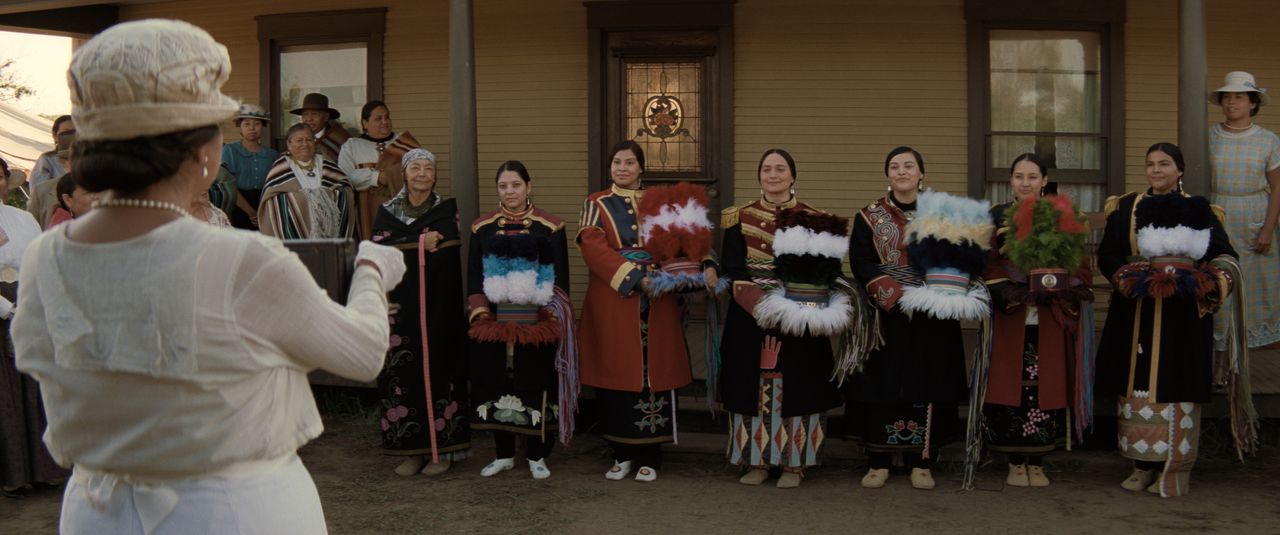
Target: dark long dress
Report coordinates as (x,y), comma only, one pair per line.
(1185,368)
(799,383)
(23,457)
(907,394)
(402,386)
(1156,354)
(530,374)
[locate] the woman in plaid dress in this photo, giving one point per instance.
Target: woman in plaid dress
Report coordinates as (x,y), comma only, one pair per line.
(1246,168)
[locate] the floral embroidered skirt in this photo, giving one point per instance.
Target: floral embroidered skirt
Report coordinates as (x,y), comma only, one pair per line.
(644,417)
(1168,433)
(1025,429)
(903,427)
(515,393)
(768,438)
(406,423)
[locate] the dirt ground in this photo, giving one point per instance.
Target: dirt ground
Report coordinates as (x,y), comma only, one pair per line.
(698,493)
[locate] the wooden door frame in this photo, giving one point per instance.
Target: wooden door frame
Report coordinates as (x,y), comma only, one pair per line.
(606,16)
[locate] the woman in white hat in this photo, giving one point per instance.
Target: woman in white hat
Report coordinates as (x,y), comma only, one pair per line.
(173,354)
(1246,164)
(249,160)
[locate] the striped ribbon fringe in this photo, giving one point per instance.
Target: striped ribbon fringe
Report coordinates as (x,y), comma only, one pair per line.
(426,349)
(977,396)
(1086,359)
(566,364)
(863,335)
(712,351)
(1233,366)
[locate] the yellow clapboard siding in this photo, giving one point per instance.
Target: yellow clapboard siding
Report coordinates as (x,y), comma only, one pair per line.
(1237,31)
(838,84)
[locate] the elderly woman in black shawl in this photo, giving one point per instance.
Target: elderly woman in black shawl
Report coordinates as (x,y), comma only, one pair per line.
(424,385)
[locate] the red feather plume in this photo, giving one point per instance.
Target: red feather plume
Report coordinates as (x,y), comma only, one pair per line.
(1067,221)
(1023,218)
(665,243)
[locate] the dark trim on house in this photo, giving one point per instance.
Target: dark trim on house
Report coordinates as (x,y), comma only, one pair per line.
(79,22)
(1115,109)
(317,27)
(1108,11)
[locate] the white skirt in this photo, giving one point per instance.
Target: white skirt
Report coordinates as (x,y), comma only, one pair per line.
(281,500)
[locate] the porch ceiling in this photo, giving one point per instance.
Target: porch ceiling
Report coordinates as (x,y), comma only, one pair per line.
(23,6)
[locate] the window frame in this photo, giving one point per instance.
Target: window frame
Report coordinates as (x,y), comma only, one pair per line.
(277,31)
(616,113)
(1105,18)
(608,21)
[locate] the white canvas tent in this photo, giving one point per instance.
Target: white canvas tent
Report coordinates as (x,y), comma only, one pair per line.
(23,137)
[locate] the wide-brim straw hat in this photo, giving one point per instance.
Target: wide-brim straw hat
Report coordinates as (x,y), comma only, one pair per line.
(253,111)
(1239,82)
(316,101)
(17,177)
(148,78)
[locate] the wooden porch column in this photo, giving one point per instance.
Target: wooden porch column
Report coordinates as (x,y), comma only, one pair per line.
(463,155)
(1193,122)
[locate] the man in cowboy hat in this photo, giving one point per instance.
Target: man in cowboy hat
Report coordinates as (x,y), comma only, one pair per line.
(249,161)
(330,135)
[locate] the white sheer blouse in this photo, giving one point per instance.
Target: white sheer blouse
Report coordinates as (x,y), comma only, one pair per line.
(185,351)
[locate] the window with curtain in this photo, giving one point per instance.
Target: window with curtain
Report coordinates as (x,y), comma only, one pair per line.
(334,53)
(1046,91)
(338,71)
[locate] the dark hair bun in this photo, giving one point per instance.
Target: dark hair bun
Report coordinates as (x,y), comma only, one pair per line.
(131,165)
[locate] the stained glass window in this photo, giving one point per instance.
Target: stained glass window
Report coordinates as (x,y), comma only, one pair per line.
(664,114)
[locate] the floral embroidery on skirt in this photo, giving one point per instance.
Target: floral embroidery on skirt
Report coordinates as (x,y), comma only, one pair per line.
(1025,429)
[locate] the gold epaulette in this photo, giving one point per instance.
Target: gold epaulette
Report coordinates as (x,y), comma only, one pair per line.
(728,217)
(1220,212)
(1113,204)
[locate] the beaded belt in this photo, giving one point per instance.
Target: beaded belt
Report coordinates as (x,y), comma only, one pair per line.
(507,313)
(1170,264)
(810,295)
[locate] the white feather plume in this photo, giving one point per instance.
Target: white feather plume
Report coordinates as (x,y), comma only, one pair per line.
(518,288)
(1176,241)
(972,305)
(775,310)
(688,216)
(802,241)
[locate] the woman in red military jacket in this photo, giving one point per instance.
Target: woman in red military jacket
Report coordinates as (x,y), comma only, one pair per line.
(631,347)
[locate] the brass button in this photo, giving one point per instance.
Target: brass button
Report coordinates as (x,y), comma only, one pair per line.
(627,199)
(630,211)
(633,227)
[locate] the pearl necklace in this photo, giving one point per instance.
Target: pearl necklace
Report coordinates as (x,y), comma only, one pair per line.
(1246,127)
(140,203)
